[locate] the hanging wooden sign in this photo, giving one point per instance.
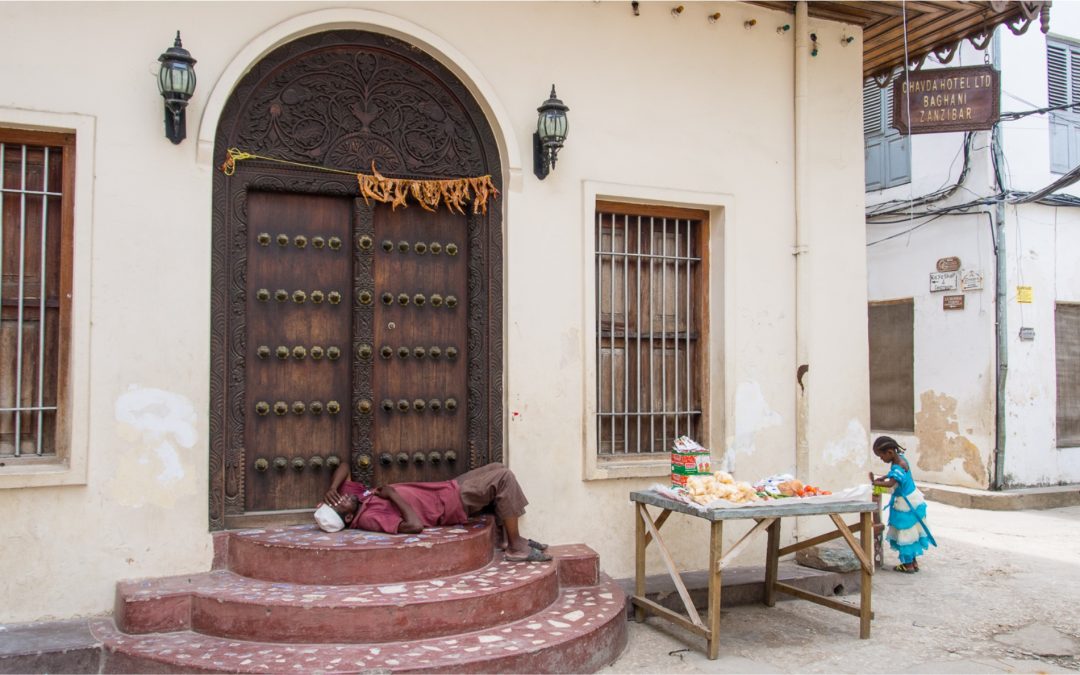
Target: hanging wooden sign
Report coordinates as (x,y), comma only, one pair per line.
(947,99)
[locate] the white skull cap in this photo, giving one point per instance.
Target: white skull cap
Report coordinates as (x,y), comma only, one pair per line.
(328,519)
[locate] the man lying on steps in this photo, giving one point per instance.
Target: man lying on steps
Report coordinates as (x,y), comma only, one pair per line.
(407,508)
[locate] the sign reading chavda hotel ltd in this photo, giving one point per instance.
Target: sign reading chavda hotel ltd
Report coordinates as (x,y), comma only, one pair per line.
(947,99)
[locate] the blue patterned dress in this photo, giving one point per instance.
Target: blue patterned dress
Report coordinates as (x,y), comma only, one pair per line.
(907,535)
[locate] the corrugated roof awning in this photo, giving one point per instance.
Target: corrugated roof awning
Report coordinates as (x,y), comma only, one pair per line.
(932,27)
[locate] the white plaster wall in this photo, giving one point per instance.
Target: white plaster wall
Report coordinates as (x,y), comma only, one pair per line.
(656,102)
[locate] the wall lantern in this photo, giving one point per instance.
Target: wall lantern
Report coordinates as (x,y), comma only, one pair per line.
(550,133)
(176,82)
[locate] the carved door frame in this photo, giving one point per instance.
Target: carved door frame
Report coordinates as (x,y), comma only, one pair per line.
(443,134)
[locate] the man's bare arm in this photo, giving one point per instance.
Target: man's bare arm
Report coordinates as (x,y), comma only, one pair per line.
(410,523)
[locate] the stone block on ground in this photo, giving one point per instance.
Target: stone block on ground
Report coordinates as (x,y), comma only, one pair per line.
(828,557)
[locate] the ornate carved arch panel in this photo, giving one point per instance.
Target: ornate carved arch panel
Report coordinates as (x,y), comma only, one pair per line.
(343,100)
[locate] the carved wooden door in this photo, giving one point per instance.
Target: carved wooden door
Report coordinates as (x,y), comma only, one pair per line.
(299,380)
(420,331)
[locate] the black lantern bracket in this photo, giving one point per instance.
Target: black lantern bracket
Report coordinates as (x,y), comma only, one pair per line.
(551,129)
(176,83)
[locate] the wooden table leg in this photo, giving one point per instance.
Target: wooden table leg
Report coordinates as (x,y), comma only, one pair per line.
(716,542)
(772,563)
(866,536)
(640,512)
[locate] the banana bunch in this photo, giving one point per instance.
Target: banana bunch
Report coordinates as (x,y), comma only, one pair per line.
(720,485)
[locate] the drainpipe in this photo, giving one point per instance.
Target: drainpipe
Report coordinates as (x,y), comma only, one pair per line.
(802,309)
(1000,307)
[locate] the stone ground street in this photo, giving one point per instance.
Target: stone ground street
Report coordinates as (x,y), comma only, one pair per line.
(1001,594)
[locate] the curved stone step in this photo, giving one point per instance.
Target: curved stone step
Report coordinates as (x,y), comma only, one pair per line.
(304,554)
(582,631)
(225,604)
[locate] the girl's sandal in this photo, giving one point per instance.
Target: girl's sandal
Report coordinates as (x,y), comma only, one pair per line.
(900,568)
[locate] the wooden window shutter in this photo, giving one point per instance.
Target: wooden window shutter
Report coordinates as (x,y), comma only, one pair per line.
(892,366)
(1063,88)
(1067,343)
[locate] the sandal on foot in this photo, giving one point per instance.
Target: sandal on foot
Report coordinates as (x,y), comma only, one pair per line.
(900,568)
(537,545)
(535,555)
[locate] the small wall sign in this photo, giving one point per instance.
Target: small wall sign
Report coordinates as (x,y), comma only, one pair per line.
(971,280)
(950,264)
(1024,295)
(1027,333)
(952,302)
(943,281)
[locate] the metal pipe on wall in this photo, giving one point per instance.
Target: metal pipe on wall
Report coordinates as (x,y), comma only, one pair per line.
(799,250)
(1001,337)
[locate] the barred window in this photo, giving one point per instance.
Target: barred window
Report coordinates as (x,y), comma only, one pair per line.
(650,310)
(36,216)
(1067,356)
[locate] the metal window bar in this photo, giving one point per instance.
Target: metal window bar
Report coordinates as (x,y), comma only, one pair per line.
(23,193)
(625,335)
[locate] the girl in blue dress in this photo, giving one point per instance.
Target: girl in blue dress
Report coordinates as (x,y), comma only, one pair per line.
(907,533)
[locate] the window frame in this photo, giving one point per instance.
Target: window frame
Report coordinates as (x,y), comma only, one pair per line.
(1063,441)
(70,465)
(885,136)
(717,400)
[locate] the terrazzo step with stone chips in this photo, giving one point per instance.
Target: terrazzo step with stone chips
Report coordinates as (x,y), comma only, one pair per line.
(225,604)
(583,630)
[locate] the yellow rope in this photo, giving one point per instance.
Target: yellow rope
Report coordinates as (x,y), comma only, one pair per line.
(428,193)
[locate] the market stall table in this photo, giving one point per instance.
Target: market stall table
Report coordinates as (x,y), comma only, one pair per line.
(768,516)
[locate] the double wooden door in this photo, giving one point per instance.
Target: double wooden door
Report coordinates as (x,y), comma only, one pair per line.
(356,339)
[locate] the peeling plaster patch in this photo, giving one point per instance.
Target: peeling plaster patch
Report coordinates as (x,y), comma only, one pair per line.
(158,424)
(752,415)
(939,437)
(851,449)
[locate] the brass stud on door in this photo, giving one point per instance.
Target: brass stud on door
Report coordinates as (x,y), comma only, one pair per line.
(451,456)
(365,297)
(387,245)
(318,242)
(283,352)
(334,243)
(261,464)
(451,249)
(280,408)
(280,463)
(403,299)
(385,459)
(263,294)
(364,406)
(364,352)
(283,240)
(363,461)
(435,248)
(451,301)
(403,406)
(387,298)
(281,295)
(436,300)
(365,243)
(387,405)
(434,352)
(420,248)
(419,352)
(263,239)
(451,404)
(334,297)
(263,352)
(419,405)
(403,458)
(403,246)
(315,408)
(403,352)
(333,353)
(418,457)
(333,407)
(299,353)
(386,352)
(262,408)
(418,299)
(435,404)
(298,463)
(299,297)
(317,297)
(315,462)
(300,241)
(434,457)
(298,407)
(451,352)
(317,352)
(332,462)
